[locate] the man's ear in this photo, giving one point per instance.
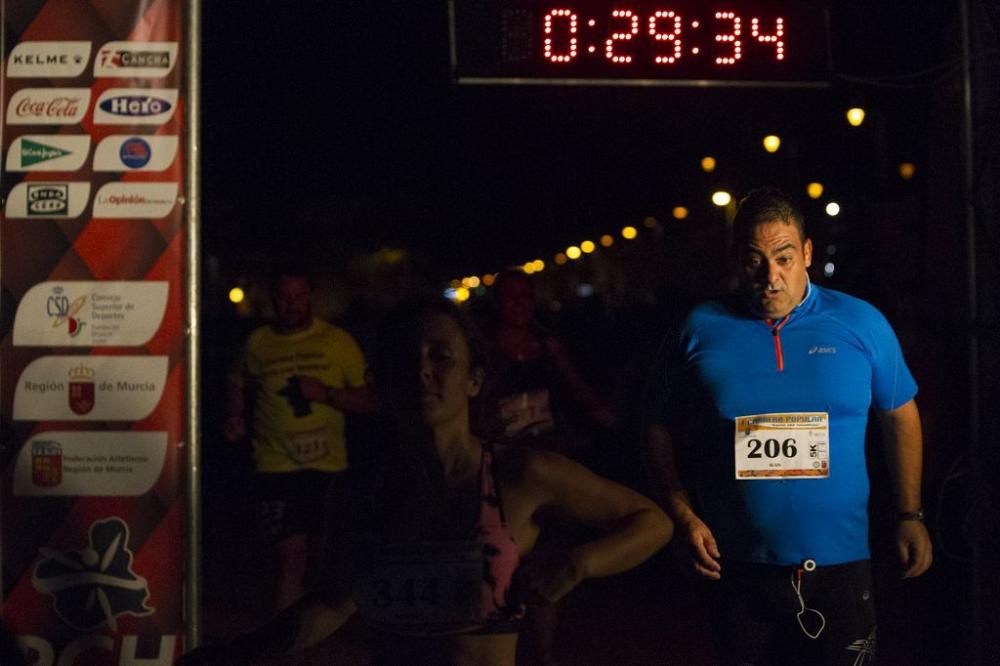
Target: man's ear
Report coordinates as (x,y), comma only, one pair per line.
(807,250)
(475,382)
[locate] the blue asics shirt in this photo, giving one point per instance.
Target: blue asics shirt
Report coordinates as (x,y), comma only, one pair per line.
(834,353)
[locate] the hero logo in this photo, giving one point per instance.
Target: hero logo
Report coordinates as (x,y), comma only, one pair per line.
(48,199)
(135,105)
(124,106)
(53,106)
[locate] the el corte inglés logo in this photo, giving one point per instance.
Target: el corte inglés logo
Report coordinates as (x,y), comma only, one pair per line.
(33,152)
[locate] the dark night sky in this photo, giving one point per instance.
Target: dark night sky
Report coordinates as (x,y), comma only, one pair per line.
(332,127)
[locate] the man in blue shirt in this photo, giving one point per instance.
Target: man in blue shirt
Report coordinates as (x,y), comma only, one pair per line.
(764,410)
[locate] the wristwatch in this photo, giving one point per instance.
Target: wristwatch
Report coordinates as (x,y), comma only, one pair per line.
(910,515)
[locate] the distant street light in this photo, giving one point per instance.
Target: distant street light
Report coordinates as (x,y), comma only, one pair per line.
(772,143)
(708,164)
(814,190)
(721,198)
(833,209)
(855,116)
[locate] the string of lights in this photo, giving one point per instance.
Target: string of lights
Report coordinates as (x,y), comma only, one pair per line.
(468,287)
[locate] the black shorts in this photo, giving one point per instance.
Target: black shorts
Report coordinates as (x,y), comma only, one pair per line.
(755,614)
(293,503)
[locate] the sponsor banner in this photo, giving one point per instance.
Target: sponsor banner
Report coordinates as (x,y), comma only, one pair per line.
(56,201)
(48,106)
(125,152)
(135,106)
(48,60)
(152,200)
(89,388)
(95,330)
(90,314)
(135,60)
(90,464)
(48,152)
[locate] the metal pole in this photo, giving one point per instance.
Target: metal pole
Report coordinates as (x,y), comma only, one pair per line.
(3,149)
(972,322)
(192,598)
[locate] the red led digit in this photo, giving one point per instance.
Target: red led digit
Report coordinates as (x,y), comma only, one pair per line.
(567,26)
(776,38)
(674,36)
(730,38)
(609,45)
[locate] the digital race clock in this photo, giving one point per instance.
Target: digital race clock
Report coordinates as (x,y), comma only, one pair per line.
(640,42)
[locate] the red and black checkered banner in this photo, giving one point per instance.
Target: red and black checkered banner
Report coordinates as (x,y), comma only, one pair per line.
(93,251)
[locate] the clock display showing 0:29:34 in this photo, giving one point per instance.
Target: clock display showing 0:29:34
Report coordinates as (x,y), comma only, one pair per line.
(662,38)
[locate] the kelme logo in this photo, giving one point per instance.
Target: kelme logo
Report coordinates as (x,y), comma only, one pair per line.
(45,59)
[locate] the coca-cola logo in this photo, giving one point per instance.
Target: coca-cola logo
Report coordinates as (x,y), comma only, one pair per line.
(57,107)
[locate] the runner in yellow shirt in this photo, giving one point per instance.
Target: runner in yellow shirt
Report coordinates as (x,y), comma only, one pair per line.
(295,382)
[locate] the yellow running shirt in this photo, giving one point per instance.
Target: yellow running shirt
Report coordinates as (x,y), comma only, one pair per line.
(290,433)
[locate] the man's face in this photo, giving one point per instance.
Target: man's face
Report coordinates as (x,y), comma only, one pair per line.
(772,268)
(292,303)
